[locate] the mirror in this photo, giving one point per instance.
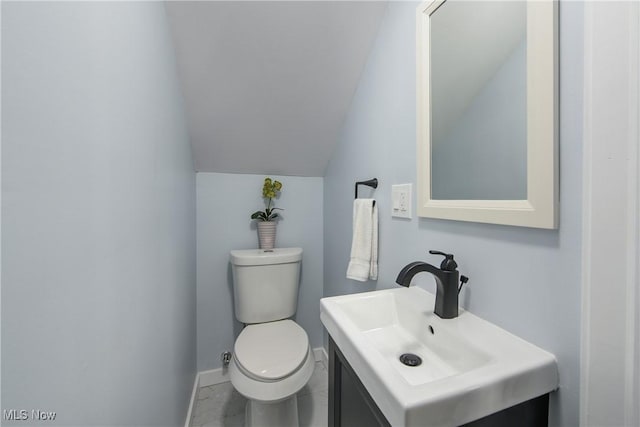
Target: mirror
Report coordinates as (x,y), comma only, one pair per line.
(487,108)
(478,101)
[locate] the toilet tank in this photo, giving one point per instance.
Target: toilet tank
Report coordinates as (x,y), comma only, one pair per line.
(265,283)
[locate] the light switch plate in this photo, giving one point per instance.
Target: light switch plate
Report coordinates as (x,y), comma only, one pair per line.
(401,200)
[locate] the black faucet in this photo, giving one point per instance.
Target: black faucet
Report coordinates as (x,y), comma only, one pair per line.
(446,283)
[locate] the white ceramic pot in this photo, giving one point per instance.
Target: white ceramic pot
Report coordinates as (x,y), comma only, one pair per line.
(267,234)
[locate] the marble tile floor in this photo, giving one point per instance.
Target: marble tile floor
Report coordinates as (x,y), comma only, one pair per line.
(221,406)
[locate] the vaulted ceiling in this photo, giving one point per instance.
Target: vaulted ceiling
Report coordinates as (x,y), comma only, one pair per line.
(267,84)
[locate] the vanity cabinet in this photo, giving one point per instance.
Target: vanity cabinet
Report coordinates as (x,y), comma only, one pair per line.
(351,405)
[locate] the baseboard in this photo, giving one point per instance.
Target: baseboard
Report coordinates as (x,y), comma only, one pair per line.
(192,402)
(221,375)
(214,376)
(320,354)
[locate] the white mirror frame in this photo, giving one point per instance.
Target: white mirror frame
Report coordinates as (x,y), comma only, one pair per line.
(540,208)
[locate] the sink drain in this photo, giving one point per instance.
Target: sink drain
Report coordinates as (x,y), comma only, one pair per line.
(410,359)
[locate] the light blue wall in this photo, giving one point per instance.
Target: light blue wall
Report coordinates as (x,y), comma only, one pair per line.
(525,280)
(98,216)
(225,204)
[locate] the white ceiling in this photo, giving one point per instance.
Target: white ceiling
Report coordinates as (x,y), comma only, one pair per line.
(267,84)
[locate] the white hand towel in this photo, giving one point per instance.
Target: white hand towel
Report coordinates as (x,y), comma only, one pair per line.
(363,263)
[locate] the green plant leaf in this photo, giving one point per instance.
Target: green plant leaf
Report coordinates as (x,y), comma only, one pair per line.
(259,215)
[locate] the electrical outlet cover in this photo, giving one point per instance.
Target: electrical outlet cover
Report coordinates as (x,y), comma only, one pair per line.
(401,200)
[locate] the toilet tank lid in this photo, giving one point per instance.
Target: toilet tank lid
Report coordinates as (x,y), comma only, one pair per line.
(265,257)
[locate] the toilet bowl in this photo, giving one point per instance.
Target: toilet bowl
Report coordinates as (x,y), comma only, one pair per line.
(271,363)
(272,358)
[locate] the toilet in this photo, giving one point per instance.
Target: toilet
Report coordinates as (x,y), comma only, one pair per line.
(272,359)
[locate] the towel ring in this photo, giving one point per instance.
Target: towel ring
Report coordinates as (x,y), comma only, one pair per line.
(373,183)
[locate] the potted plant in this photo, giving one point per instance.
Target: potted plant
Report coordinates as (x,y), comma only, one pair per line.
(266,218)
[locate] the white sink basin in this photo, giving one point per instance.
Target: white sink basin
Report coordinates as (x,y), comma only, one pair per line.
(470,367)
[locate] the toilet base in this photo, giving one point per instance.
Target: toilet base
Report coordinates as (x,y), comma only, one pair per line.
(281,414)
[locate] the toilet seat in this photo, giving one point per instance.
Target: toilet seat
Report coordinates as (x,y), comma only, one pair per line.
(271,351)
(287,363)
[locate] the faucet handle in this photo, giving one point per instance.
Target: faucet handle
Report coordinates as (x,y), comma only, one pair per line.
(448,264)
